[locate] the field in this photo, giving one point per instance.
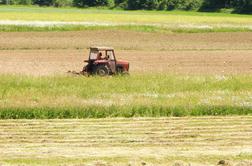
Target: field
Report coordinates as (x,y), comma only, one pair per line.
(47,19)
(213,78)
(187,100)
(68,97)
(43,53)
(138,141)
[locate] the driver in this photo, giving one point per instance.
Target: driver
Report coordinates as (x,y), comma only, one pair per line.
(99,56)
(107,57)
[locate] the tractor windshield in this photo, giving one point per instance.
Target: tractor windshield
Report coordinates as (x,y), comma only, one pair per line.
(110,55)
(102,55)
(93,55)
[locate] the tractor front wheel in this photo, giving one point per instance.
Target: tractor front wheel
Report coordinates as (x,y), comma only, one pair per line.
(102,70)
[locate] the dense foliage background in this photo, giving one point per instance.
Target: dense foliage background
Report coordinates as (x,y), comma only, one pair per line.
(202,5)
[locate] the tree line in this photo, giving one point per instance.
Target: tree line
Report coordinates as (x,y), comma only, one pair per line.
(201,5)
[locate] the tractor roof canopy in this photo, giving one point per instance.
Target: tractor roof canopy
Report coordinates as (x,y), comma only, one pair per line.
(101,48)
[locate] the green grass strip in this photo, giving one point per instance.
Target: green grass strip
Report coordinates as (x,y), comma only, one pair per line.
(138,28)
(120,111)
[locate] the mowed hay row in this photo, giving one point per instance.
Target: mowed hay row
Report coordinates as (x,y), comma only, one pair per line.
(48,62)
(158,141)
(126,40)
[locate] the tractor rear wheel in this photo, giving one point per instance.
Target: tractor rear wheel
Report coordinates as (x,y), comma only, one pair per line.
(102,70)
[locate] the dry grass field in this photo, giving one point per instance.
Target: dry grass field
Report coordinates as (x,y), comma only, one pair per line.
(46,53)
(138,141)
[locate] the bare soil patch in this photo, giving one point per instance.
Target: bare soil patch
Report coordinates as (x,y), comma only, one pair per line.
(48,62)
(126,40)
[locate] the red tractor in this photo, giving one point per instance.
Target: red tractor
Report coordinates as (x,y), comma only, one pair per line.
(102,62)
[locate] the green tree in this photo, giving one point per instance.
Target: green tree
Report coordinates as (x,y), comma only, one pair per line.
(213,5)
(91,3)
(151,4)
(242,6)
(16,2)
(60,3)
(134,4)
(121,3)
(162,5)
(43,2)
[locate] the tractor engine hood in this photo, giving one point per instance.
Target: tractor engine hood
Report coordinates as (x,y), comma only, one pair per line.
(125,64)
(121,62)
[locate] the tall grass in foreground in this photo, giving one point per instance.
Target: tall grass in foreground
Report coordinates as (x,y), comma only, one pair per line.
(131,96)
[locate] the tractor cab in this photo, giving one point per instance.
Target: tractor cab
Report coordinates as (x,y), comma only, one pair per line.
(101,54)
(102,61)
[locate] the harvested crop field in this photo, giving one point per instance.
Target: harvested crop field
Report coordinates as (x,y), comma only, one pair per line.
(159,141)
(126,40)
(46,53)
(48,62)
